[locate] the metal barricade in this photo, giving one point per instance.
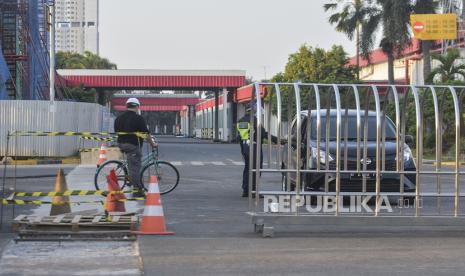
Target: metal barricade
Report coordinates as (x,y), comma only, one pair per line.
(349,147)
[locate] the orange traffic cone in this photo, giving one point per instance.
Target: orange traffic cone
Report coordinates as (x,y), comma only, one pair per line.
(60,203)
(153,220)
(113,203)
(103,155)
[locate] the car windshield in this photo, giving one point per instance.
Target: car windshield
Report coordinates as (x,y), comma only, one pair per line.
(352,128)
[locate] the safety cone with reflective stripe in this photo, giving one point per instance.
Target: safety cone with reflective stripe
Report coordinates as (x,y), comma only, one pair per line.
(153,220)
(103,154)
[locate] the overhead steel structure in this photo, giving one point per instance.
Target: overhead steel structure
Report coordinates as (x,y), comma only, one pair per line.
(24,44)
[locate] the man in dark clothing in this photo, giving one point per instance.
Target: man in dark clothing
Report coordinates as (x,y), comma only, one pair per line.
(131,144)
(243,128)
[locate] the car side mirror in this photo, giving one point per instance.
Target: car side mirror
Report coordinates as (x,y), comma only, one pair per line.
(408,139)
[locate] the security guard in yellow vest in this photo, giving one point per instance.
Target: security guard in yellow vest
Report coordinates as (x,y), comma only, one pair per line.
(243,128)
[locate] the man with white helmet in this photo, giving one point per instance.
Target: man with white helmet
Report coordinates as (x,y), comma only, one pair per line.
(131,144)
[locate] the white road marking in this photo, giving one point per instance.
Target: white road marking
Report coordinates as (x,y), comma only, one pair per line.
(237,163)
(207,163)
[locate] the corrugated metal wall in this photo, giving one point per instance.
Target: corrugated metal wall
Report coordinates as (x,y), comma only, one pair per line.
(36,116)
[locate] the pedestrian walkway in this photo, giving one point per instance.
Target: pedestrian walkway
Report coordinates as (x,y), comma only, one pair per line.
(82,258)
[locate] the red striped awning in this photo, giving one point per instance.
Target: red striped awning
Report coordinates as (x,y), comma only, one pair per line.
(153,107)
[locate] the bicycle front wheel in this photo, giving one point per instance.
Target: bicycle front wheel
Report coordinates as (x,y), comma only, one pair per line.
(167,176)
(103,171)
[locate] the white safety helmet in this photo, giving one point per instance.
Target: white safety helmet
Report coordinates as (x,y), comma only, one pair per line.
(132,102)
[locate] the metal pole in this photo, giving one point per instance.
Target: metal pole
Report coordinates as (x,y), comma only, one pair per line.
(438,144)
(338,146)
(419,147)
(4,177)
(318,130)
(401,165)
(52,54)
(289,140)
(258,100)
(225,115)
(251,164)
(268,126)
(278,101)
(216,115)
(457,150)
(357,108)
(299,139)
(378,150)
(15,176)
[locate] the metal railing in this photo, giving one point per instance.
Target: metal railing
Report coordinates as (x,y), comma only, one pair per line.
(298,156)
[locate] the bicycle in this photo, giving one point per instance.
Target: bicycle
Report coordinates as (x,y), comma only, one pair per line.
(167,174)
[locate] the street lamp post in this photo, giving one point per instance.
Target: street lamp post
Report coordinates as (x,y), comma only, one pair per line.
(52,53)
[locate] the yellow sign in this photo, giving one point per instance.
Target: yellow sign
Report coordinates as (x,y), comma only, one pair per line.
(434,26)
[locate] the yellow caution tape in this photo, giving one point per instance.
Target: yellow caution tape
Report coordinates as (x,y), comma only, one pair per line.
(98,138)
(89,150)
(72,133)
(72,193)
(40,202)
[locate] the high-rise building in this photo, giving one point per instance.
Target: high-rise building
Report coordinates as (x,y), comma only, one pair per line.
(77,24)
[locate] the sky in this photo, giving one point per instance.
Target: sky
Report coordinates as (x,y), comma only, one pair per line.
(253,35)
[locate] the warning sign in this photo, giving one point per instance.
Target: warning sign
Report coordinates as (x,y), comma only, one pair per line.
(434,26)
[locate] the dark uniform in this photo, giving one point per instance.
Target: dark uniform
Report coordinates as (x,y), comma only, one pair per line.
(130,121)
(243,128)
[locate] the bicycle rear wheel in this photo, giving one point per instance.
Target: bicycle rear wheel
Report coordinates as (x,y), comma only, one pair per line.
(103,171)
(167,176)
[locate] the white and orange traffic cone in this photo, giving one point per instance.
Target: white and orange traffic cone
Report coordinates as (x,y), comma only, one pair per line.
(103,155)
(153,220)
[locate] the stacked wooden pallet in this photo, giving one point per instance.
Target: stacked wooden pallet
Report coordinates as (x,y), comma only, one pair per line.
(75,226)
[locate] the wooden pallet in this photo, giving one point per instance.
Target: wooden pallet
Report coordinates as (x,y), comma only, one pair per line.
(75,223)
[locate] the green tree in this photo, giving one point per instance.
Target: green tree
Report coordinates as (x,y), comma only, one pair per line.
(312,65)
(72,60)
(348,20)
(391,18)
(388,17)
(449,69)
(317,65)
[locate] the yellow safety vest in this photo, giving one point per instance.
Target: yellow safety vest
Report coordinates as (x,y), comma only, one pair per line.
(244,129)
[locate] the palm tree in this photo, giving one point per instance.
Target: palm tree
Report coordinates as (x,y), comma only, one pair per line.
(448,69)
(392,16)
(426,7)
(349,19)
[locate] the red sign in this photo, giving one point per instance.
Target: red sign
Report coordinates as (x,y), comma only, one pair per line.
(419,27)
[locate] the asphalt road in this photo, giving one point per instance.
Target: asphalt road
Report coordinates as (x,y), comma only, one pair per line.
(214,236)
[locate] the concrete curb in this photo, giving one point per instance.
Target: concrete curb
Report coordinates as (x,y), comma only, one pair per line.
(450,163)
(33,162)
